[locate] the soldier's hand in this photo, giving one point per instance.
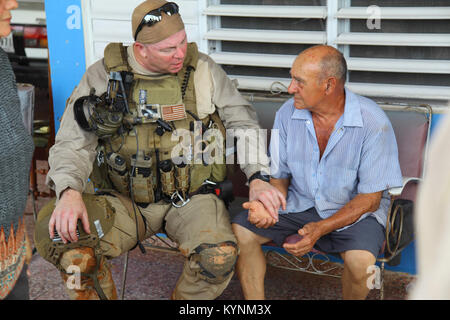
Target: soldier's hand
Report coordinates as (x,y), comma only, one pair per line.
(268,195)
(69,209)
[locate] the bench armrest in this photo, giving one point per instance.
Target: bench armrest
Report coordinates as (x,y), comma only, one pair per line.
(394,192)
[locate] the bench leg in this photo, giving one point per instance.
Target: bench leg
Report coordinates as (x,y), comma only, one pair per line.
(382,282)
(124,275)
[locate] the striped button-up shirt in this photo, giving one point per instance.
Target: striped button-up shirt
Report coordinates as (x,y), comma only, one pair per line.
(361,157)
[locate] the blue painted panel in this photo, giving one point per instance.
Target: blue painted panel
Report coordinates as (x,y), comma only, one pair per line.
(66,50)
(436,120)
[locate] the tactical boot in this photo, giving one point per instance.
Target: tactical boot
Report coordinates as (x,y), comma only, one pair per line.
(82,287)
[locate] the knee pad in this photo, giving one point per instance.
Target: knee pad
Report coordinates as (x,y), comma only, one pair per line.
(83,258)
(216,261)
(95,279)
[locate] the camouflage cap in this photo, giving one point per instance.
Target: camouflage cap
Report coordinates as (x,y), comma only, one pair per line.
(169,24)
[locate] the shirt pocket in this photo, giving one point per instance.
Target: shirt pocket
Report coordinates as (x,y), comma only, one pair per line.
(339,184)
(298,178)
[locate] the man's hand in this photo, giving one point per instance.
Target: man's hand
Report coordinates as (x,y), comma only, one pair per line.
(69,209)
(258,215)
(310,232)
(268,195)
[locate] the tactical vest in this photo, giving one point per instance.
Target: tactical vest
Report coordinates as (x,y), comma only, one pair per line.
(149,162)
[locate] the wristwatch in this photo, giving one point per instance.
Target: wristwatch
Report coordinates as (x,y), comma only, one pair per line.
(260,176)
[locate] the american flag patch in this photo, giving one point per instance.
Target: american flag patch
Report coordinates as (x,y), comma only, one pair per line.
(171,113)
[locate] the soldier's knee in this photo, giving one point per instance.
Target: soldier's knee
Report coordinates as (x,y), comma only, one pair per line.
(82,258)
(216,261)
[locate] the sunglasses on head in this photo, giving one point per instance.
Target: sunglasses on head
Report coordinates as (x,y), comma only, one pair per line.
(154,16)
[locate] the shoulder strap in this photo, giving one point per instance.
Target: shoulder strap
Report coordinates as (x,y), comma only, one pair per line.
(191,55)
(115,57)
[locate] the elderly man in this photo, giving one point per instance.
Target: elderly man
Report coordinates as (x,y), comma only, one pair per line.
(342,156)
(125,127)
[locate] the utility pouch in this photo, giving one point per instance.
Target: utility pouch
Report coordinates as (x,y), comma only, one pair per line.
(142,183)
(118,173)
(99,175)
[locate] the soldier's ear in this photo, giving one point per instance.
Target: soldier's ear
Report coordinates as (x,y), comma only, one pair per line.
(140,50)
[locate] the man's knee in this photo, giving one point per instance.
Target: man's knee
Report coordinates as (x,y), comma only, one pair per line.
(247,238)
(216,261)
(357,262)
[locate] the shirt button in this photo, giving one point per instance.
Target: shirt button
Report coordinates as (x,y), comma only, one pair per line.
(308,122)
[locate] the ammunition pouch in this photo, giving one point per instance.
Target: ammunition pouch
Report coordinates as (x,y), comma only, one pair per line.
(142,181)
(167,173)
(118,173)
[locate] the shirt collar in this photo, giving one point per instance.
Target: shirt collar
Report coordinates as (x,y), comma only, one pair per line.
(352,111)
(135,66)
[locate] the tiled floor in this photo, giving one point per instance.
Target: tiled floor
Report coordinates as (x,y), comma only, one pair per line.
(153,276)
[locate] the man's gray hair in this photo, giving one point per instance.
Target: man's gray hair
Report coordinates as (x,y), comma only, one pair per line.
(333,65)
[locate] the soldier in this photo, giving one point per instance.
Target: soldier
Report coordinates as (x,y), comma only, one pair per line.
(123,127)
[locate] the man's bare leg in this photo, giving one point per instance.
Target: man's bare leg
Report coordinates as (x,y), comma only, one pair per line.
(251,263)
(355,275)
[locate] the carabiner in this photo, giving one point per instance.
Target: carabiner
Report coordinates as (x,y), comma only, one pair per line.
(183,201)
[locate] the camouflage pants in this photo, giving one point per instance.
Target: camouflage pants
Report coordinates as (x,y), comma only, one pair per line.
(201,228)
